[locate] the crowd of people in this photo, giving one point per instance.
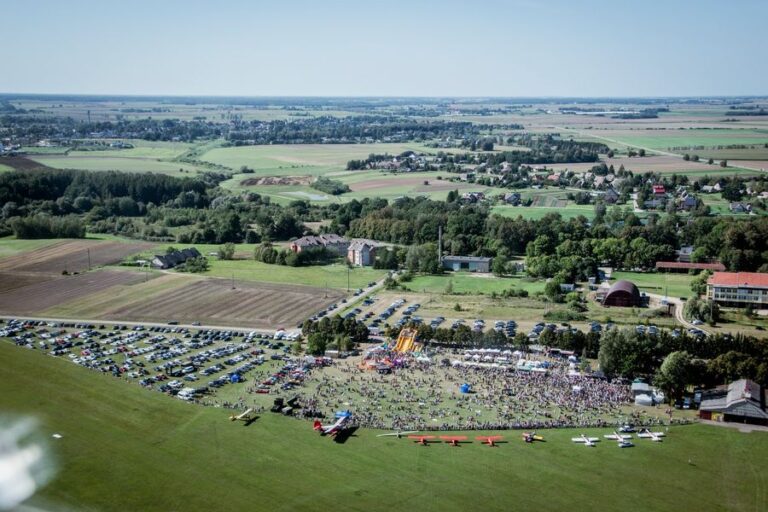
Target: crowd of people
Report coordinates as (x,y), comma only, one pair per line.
(425,396)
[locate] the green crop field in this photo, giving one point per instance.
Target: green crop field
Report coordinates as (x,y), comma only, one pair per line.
(537,212)
(679,285)
(96,162)
(301,159)
(332,276)
(664,139)
(131,449)
(472,283)
(10,246)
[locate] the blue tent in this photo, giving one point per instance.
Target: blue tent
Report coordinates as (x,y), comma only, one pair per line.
(234,378)
(464,388)
(343,414)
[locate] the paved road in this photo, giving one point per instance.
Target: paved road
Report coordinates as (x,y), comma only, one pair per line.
(679,305)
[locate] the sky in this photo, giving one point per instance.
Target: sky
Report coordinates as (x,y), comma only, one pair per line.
(476,48)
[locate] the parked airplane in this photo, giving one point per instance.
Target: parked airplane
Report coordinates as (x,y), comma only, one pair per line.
(530,437)
(453,440)
(422,440)
(246,416)
(653,436)
(399,434)
(332,430)
(617,437)
(588,441)
(489,440)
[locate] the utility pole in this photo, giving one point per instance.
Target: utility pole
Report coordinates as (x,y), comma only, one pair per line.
(348,278)
(233,280)
(89,258)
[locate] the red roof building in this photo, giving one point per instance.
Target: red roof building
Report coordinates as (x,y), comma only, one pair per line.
(738,289)
(659,190)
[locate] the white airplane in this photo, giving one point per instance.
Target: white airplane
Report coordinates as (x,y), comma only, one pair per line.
(331,430)
(588,441)
(399,433)
(246,416)
(653,436)
(617,437)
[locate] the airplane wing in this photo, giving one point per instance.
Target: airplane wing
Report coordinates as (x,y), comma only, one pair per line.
(593,439)
(613,436)
(578,440)
(453,438)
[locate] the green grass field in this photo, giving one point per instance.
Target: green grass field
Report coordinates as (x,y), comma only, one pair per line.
(472,284)
(678,284)
(301,159)
(10,245)
(127,448)
(664,139)
(537,212)
(332,276)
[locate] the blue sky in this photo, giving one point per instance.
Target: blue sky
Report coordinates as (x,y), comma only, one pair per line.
(386,48)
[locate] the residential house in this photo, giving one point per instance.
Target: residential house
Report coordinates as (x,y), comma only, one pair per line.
(742,401)
(659,190)
(740,207)
(174,258)
(611,196)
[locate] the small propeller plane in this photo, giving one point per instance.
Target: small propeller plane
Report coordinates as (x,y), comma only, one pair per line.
(422,440)
(399,433)
(453,440)
(331,430)
(530,437)
(246,416)
(653,436)
(617,437)
(489,440)
(588,441)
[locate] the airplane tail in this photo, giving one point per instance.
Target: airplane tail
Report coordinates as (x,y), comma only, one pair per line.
(317,425)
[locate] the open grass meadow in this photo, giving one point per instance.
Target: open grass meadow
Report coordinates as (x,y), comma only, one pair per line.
(125,448)
(689,138)
(331,276)
(677,284)
(473,284)
(538,212)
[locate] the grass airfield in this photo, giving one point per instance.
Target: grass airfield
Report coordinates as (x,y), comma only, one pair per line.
(125,448)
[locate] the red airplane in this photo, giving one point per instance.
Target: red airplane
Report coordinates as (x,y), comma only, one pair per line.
(453,440)
(489,440)
(422,440)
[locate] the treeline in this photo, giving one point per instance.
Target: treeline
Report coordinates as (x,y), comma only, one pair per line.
(334,333)
(267,253)
(329,186)
(362,128)
(45,226)
(616,237)
(23,188)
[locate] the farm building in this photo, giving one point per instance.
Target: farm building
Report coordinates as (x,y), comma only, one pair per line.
(739,289)
(679,266)
(362,252)
(468,263)
(174,258)
(742,401)
(331,241)
(623,294)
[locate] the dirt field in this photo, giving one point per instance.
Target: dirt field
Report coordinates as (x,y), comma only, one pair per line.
(660,164)
(214,302)
(29,293)
(72,255)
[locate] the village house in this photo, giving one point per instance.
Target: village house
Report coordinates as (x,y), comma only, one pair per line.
(174,258)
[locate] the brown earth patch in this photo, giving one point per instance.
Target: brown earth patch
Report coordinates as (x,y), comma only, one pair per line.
(72,256)
(214,302)
(28,294)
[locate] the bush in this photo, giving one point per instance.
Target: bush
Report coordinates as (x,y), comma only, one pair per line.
(564,315)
